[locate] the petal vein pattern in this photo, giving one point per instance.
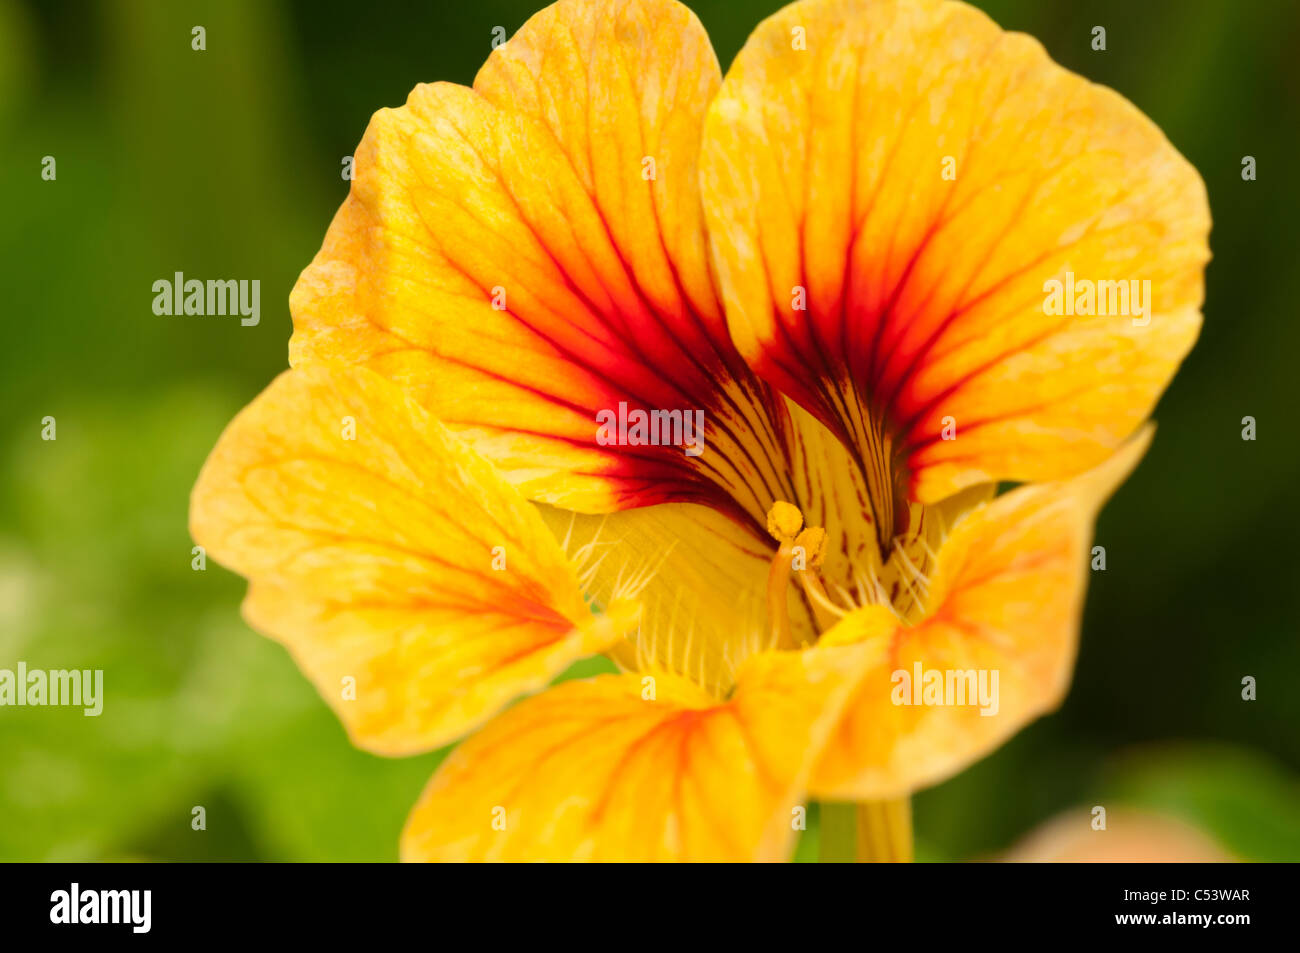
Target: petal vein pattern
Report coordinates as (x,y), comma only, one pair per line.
(530,253)
(417,589)
(623,768)
(923,176)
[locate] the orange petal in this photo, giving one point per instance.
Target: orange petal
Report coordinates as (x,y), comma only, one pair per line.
(1131,836)
(530,253)
(823,168)
(413,585)
(594,771)
(1005,601)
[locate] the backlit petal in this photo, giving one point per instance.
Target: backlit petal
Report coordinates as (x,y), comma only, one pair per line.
(823,169)
(595,770)
(412,584)
(530,253)
(1006,599)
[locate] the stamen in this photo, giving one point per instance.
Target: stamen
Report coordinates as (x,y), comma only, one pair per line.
(809,547)
(783,522)
(916,583)
(813,542)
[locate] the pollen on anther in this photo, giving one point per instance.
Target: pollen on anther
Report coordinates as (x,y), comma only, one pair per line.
(784,521)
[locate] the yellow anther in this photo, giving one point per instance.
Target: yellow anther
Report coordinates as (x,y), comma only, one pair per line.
(784,521)
(800,554)
(813,541)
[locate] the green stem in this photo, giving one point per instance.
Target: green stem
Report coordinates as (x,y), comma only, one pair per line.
(839,838)
(869,832)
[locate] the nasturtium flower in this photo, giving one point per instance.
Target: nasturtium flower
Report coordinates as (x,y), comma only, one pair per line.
(840,254)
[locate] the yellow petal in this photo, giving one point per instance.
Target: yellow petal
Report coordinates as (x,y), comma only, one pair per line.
(1006,600)
(700,579)
(528,254)
(594,770)
(412,584)
(823,169)
(617,82)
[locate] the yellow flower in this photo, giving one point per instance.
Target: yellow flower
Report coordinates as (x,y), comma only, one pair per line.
(843,257)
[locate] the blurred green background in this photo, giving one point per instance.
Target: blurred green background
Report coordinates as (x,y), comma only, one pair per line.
(226,163)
